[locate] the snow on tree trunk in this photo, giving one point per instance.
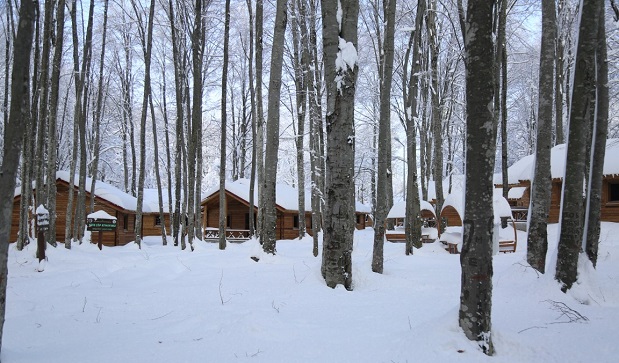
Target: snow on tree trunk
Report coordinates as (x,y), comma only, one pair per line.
(537,243)
(272,133)
(478,221)
(341,67)
(582,108)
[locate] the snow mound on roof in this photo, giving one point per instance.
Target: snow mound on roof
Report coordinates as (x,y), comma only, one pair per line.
(524,168)
(399,209)
(499,203)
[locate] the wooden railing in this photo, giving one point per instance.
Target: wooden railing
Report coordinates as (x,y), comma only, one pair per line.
(232,235)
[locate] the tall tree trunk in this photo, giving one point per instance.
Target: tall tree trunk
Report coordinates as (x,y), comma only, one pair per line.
(301,70)
(259,114)
(252,91)
(600,133)
(269,235)
(147,51)
(384,160)
(537,243)
(341,68)
(501,64)
(223,213)
(478,223)
(53,117)
(410,92)
(168,155)
(19,113)
(582,107)
(437,122)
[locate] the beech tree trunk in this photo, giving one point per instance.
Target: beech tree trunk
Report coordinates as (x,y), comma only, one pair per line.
(272,137)
(13,131)
(222,161)
(582,107)
(600,133)
(384,134)
(478,222)
(341,68)
(410,91)
(537,243)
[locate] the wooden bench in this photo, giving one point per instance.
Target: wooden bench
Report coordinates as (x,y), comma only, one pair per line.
(452,248)
(395,237)
(507,246)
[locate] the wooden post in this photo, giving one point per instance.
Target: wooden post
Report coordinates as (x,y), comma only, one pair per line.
(100,243)
(41,245)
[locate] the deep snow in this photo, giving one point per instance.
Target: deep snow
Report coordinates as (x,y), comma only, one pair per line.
(161,304)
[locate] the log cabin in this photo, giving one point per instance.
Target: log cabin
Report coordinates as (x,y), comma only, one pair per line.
(108,198)
(520,175)
(397,214)
(237,210)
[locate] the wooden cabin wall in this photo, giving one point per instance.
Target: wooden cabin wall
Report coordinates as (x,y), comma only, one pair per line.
(15,219)
(150,226)
(610,209)
(452,216)
(555,201)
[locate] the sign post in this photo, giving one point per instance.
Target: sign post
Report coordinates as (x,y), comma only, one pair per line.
(100,222)
(42,227)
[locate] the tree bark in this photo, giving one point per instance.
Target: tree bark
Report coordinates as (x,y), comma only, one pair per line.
(259,115)
(384,134)
(582,107)
(600,133)
(19,112)
(272,137)
(341,68)
(411,90)
(222,160)
(537,243)
(478,223)
(147,40)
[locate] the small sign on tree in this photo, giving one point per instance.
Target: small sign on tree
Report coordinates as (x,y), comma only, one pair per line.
(100,221)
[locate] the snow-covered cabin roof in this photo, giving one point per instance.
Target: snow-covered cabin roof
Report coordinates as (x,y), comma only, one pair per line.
(500,204)
(524,168)
(111,194)
(516,192)
(399,209)
(286,197)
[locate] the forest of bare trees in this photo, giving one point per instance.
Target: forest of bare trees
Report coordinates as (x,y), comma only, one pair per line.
(370,101)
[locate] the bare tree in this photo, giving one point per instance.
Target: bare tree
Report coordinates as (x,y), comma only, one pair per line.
(146,35)
(14,129)
(582,108)
(222,160)
(268,236)
(476,254)
(598,154)
(537,243)
(410,89)
(384,134)
(341,68)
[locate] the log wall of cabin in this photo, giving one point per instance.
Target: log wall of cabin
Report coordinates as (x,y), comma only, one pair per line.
(555,202)
(150,227)
(610,207)
(111,238)
(452,216)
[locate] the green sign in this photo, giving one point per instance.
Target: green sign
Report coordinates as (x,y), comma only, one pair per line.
(101,225)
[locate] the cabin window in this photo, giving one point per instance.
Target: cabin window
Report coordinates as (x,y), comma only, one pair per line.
(359,219)
(613,192)
(125,222)
(228,221)
(295,221)
(157,221)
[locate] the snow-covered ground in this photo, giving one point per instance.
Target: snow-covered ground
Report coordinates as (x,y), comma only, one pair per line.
(161,304)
